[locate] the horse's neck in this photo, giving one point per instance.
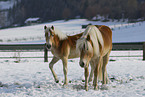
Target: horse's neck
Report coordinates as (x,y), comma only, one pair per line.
(56,43)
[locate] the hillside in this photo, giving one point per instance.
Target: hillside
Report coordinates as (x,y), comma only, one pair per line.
(48,10)
(122,31)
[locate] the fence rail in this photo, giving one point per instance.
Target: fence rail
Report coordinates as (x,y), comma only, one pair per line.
(128,46)
(116,46)
(30,47)
(22,46)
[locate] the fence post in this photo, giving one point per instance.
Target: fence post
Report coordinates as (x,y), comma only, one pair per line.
(144,51)
(45,54)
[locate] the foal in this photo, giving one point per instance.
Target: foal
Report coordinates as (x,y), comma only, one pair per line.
(62,47)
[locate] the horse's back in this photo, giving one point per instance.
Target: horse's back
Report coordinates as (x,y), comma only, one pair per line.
(72,40)
(105,31)
(98,26)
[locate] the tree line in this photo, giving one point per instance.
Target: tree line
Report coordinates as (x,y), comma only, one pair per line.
(67,9)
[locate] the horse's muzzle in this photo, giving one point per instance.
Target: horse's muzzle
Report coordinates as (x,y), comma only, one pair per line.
(48,46)
(82,64)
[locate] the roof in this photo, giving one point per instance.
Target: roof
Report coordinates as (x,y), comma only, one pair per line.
(32,19)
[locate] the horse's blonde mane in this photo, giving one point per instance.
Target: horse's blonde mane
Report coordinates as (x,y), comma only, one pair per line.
(95,36)
(57,32)
(80,43)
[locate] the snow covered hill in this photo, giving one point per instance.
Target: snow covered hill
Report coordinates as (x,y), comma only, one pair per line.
(7,4)
(122,31)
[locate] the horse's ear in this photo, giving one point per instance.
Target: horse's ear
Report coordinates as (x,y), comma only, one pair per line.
(52,27)
(45,27)
(88,37)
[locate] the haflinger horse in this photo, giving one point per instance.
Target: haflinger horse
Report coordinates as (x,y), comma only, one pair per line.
(95,46)
(62,47)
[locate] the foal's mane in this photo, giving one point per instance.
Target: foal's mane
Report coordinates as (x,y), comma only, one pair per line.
(95,37)
(57,32)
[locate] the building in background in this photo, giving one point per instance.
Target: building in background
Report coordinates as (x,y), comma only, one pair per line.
(32,21)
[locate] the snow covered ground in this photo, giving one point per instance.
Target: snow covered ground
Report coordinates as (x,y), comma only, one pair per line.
(32,77)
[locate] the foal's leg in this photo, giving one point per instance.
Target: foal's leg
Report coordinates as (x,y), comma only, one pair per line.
(53,61)
(104,71)
(86,78)
(64,60)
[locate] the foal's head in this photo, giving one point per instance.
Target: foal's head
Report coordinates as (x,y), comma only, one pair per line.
(85,47)
(53,36)
(49,34)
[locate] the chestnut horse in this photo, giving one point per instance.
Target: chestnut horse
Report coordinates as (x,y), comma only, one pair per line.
(62,47)
(95,46)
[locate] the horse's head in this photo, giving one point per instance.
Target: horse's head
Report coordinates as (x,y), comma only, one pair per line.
(85,47)
(53,36)
(49,35)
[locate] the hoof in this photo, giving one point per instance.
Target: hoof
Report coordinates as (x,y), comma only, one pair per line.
(65,84)
(95,88)
(57,81)
(86,89)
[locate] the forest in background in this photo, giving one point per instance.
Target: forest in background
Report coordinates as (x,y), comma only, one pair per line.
(67,9)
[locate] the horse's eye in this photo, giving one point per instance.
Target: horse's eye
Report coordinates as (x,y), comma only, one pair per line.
(84,47)
(52,35)
(87,48)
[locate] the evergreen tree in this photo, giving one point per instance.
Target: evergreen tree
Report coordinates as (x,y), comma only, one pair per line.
(66,9)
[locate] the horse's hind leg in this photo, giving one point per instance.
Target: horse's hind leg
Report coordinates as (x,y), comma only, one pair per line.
(53,61)
(104,71)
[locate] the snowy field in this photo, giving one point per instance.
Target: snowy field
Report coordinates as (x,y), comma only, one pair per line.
(31,77)
(122,31)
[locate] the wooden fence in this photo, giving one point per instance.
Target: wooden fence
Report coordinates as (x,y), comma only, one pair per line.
(32,47)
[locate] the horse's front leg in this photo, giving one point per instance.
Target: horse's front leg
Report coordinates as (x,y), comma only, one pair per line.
(53,61)
(64,60)
(86,77)
(92,71)
(96,73)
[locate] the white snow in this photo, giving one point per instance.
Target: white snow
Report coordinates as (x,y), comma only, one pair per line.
(6,4)
(32,20)
(32,77)
(122,31)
